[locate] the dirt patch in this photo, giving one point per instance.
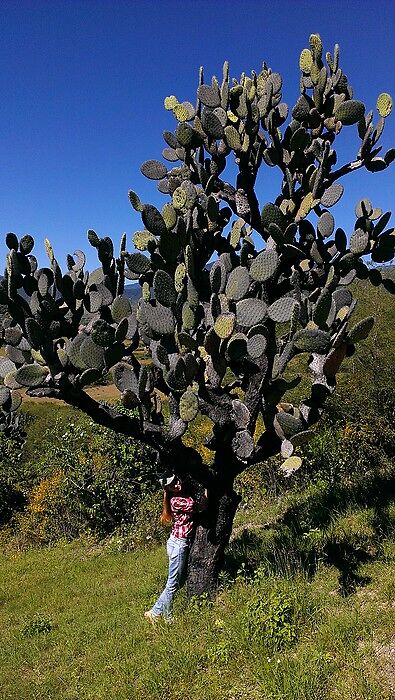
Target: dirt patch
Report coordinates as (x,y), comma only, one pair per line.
(100,393)
(386,660)
(103,393)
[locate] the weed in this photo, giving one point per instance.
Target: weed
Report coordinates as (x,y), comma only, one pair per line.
(219,653)
(37,625)
(201,602)
(271,621)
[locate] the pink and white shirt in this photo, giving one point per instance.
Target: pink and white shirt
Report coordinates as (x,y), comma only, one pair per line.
(182,509)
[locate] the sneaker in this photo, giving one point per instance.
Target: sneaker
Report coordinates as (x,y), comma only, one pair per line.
(149,615)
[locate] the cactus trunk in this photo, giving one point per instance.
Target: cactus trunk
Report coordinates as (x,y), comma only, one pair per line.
(206,557)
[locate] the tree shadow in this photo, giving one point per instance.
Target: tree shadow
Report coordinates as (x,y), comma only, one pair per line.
(302,539)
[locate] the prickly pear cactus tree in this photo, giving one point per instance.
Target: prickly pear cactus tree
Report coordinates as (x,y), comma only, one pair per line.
(233,289)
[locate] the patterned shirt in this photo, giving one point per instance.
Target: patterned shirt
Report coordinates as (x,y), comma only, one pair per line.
(182,509)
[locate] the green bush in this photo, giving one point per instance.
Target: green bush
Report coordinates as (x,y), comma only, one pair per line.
(88,478)
(270,620)
(12,498)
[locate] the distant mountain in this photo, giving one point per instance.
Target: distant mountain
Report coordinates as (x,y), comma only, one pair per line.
(132,292)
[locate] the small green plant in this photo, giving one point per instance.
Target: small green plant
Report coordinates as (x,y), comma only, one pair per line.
(201,602)
(271,621)
(219,653)
(39,624)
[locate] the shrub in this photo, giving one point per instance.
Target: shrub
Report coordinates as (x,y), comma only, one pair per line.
(271,621)
(87,479)
(12,498)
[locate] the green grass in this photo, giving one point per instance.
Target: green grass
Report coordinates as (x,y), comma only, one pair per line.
(71,623)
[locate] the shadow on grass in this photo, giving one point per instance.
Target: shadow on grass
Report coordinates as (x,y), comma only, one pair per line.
(308,534)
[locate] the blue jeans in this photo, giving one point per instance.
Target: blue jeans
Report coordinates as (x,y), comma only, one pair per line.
(177,551)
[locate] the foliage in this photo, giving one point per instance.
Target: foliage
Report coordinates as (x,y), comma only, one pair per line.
(85,478)
(37,625)
(11,495)
(253,311)
(271,620)
(246,310)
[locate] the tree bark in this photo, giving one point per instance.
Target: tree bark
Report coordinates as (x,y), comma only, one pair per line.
(206,556)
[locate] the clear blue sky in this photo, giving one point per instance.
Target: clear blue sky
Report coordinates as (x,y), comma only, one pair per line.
(83,83)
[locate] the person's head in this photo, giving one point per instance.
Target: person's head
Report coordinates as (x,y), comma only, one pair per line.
(171,485)
(176,486)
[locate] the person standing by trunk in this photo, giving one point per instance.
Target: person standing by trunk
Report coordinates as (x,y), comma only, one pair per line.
(179,508)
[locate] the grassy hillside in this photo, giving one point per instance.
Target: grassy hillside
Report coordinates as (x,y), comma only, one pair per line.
(72,627)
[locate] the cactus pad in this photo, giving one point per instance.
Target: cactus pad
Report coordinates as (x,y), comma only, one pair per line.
(256,345)
(92,355)
(326,224)
(188,317)
(179,198)
(164,290)
(237,347)
(34,333)
(238,283)
(102,333)
(361,330)
(250,312)
(242,415)
(5,395)
(179,277)
(290,425)
(169,215)
(322,308)
(170,102)
(159,318)
(232,138)
(31,375)
(384,104)
(137,263)
(359,241)
(153,220)
(218,277)
(209,96)
(291,465)
(305,61)
(120,308)
(212,125)
(142,240)
(265,265)
(312,340)
(350,112)
(176,378)
(134,201)
(154,169)
(26,244)
(332,195)
(272,214)
(243,444)
(224,325)
(189,406)
(281,309)
(6,366)
(124,377)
